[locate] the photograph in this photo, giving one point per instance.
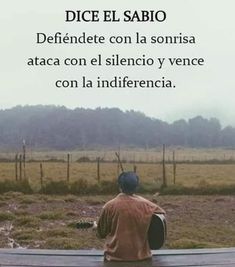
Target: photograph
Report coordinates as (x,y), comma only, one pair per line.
(117,133)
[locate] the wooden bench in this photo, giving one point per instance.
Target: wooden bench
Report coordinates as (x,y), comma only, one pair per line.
(71,258)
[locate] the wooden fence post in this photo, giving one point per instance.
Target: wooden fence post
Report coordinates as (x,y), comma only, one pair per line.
(24,158)
(98,169)
(68,167)
(16,167)
(164,184)
(135,168)
(118,163)
(174,168)
(41,175)
(20,167)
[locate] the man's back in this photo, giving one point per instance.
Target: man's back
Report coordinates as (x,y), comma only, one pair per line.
(124,222)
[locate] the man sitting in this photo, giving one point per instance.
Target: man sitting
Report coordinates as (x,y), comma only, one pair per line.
(124,222)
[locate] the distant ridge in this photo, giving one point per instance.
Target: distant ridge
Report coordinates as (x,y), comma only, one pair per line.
(61,128)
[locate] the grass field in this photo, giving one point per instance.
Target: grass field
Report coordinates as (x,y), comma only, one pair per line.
(131,154)
(39,221)
(212,166)
(186,174)
(47,221)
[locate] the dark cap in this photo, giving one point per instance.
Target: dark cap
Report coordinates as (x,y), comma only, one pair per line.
(128,182)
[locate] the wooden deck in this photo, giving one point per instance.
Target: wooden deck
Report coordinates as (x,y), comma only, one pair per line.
(71,258)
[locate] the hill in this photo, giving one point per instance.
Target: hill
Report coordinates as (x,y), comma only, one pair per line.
(62,128)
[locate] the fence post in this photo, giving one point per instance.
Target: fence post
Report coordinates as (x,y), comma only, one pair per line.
(118,162)
(174,168)
(164,184)
(41,175)
(24,158)
(20,167)
(135,168)
(68,167)
(16,167)
(98,169)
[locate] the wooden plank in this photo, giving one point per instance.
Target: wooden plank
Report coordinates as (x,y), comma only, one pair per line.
(89,258)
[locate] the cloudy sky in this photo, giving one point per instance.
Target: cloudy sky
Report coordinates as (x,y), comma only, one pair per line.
(207,90)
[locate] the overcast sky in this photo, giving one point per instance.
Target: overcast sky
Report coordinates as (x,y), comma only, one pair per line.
(207,90)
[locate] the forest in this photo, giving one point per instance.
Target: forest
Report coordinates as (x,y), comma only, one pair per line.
(60,128)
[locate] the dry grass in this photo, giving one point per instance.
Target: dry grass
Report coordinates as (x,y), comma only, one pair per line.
(187,174)
(6,216)
(151,174)
(43,221)
(193,221)
(132,154)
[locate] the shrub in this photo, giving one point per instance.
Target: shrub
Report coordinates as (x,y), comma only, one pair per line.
(107,187)
(56,187)
(15,186)
(147,188)
(83,159)
(80,187)
(174,190)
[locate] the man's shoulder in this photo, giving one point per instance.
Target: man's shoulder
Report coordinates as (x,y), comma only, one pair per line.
(123,201)
(153,207)
(111,202)
(123,197)
(144,200)
(117,201)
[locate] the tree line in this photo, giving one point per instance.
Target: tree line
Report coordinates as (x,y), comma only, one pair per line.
(61,128)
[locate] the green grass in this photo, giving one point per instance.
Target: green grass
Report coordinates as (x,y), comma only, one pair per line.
(6,216)
(70,198)
(28,199)
(25,234)
(51,215)
(71,213)
(21,212)
(84,175)
(194,221)
(11,185)
(59,232)
(27,221)
(110,187)
(82,240)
